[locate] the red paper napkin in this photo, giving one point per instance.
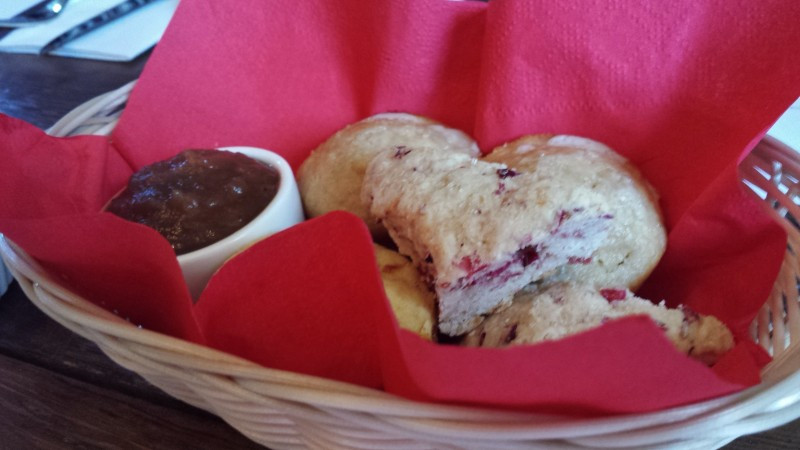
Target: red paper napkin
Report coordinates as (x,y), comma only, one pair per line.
(682,89)
(288,76)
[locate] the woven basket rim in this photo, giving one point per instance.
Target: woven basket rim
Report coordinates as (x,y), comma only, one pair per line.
(18,259)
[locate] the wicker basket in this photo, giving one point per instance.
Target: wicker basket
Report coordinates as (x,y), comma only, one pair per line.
(288,410)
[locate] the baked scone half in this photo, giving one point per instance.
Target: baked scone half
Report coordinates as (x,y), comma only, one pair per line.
(560,310)
(330,178)
(636,239)
(479,231)
(412,302)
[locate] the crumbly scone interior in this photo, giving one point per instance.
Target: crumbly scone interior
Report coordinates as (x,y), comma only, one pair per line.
(636,239)
(480,231)
(553,311)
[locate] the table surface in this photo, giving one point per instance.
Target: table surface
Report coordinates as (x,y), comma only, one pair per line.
(58,389)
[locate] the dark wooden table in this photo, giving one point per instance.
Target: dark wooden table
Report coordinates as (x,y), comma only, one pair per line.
(58,390)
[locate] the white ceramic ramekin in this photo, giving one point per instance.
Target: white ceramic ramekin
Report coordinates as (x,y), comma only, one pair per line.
(283,211)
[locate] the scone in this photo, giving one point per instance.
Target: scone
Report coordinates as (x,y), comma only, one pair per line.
(480,231)
(411,300)
(636,240)
(563,309)
(330,178)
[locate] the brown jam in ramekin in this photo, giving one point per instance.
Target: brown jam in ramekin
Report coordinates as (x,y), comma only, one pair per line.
(197,197)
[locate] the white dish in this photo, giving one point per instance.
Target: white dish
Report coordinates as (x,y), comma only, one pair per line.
(282,212)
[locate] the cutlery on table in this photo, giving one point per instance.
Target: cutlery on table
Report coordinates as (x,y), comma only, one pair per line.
(102,19)
(38,13)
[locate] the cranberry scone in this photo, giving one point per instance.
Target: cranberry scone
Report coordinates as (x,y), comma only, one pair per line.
(637,238)
(559,310)
(330,178)
(479,231)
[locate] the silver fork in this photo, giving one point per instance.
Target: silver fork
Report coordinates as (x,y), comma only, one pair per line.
(44,10)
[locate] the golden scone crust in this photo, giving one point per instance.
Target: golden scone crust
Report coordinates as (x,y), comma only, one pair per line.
(637,238)
(330,178)
(412,302)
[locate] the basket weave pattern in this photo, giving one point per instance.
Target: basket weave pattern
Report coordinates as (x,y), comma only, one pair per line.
(288,410)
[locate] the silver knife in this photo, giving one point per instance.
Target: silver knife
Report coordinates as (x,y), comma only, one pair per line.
(104,18)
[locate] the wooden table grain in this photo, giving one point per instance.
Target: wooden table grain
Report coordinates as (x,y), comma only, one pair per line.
(58,390)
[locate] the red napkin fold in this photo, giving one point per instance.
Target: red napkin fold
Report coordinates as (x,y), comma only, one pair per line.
(288,76)
(682,89)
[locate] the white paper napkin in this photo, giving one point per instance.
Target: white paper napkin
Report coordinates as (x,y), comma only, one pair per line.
(122,40)
(787,128)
